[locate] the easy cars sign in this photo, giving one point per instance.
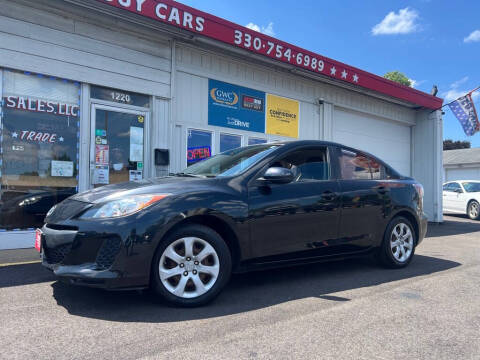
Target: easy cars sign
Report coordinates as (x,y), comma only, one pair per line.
(235,107)
(190,19)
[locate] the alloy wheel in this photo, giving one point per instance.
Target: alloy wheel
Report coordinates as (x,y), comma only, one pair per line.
(189,267)
(474,210)
(401,242)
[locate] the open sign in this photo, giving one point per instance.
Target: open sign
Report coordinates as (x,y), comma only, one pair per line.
(195,154)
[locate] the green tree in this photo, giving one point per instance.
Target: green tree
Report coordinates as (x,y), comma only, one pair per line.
(398,77)
(453,145)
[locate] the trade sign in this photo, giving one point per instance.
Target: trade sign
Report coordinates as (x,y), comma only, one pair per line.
(186,18)
(235,107)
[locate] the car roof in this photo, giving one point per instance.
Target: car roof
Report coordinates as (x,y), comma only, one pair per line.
(460,181)
(294,143)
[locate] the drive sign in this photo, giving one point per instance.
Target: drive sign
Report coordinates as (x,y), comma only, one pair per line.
(235,107)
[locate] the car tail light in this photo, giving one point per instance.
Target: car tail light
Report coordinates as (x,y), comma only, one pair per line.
(420,192)
(38,240)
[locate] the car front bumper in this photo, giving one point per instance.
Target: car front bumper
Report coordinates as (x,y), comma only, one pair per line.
(98,255)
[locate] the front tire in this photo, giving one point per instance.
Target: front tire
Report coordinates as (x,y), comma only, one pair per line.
(191,266)
(398,246)
(473,210)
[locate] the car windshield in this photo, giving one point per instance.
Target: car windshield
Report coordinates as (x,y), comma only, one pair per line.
(230,163)
(471,186)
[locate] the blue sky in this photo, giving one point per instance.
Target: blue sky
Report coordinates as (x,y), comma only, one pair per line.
(431,41)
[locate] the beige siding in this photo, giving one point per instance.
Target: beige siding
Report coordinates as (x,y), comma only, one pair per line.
(41,41)
(199,62)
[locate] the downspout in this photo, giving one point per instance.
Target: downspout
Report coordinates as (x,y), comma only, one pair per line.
(173,76)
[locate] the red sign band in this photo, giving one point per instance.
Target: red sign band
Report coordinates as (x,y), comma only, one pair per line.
(190,19)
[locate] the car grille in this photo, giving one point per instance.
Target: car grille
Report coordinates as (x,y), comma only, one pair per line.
(108,252)
(66,209)
(56,255)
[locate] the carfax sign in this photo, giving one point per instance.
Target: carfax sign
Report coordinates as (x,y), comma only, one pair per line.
(235,107)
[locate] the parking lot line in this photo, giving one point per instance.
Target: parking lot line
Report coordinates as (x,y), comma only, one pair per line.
(20,263)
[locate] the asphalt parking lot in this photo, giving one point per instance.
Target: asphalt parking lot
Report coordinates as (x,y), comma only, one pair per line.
(343,310)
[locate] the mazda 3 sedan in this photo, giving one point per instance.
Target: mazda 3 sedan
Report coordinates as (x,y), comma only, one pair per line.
(250,208)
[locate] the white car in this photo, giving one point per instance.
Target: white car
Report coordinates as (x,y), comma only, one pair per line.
(462,197)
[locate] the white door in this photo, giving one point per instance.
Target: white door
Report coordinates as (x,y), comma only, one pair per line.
(463,174)
(118,145)
(388,140)
(456,198)
(448,196)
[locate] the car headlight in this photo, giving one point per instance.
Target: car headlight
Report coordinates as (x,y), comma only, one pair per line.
(122,207)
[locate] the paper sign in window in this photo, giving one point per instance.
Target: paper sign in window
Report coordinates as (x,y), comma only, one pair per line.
(101,154)
(100,175)
(62,168)
(136,143)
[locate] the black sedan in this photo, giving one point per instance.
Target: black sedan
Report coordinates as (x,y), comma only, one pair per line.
(250,208)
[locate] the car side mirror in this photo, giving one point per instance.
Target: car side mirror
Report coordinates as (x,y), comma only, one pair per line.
(278,175)
(459,191)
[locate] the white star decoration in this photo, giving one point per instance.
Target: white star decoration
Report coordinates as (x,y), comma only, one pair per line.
(14,135)
(355,78)
(60,139)
(333,70)
(344,74)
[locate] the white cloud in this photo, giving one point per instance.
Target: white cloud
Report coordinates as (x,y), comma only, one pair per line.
(454,92)
(473,37)
(416,83)
(403,22)
(267,30)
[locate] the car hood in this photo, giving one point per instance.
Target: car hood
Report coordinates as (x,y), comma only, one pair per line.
(163,185)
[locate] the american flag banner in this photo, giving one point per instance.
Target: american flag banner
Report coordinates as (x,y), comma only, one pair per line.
(464,110)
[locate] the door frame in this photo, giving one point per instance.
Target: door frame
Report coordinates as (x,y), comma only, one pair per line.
(121,108)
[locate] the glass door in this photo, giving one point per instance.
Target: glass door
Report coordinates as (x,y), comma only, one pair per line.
(117,152)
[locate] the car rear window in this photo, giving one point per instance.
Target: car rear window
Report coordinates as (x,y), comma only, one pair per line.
(357,166)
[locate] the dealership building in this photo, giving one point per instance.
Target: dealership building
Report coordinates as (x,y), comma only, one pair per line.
(98,92)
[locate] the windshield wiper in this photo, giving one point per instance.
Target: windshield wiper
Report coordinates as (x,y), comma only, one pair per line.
(182,174)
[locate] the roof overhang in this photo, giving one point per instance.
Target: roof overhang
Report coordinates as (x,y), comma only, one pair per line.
(191,24)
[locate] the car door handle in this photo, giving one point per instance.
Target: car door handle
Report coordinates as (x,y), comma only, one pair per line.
(382,190)
(329,195)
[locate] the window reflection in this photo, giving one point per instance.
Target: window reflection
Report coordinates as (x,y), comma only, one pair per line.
(39,164)
(229,142)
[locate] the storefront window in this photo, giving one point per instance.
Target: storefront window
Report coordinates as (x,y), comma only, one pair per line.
(199,146)
(229,142)
(256,141)
(39,161)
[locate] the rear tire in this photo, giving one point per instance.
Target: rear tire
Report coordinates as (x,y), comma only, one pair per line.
(473,210)
(191,266)
(398,246)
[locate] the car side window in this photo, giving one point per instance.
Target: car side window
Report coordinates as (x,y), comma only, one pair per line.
(446,187)
(356,166)
(306,164)
(376,169)
(455,187)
